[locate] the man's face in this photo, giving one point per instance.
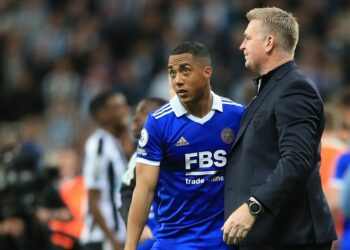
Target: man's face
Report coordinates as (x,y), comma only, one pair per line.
(117,111)
(253,46)
(140,117)
(189,77)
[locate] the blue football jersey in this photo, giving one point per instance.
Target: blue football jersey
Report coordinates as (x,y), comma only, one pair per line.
(343,165)
(191,153)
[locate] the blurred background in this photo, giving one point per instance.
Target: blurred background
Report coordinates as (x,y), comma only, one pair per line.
(55,55)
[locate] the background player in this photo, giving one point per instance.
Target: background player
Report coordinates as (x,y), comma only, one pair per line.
(144,107)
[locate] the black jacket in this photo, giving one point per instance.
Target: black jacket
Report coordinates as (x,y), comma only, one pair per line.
(276,159)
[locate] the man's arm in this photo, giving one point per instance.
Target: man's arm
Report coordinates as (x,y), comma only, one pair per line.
(94,209)
(146,182)
(298,124)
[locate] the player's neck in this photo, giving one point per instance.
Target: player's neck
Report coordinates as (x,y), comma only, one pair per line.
(202,107)
(117,132)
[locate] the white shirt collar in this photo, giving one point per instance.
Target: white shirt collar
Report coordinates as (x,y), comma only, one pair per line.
(180,110)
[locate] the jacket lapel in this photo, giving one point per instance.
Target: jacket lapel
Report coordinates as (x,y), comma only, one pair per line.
(257,102)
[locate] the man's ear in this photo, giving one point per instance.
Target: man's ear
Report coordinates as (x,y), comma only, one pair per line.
(208,71)
(270,43)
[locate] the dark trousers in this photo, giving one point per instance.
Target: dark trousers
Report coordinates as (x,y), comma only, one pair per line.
(93,246)
(323,246)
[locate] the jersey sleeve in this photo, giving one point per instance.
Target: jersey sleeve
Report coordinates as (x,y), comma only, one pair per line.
(149,150)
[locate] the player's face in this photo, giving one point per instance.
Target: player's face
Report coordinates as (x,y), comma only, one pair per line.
(117,111)
(140,117)
(189,77)
(253,46)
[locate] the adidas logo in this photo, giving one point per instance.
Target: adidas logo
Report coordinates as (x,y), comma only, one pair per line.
(182,142)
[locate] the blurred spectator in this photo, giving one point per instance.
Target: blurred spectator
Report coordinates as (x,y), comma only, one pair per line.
(338,183)
(50,43)
(143,108)
(63,125)
(334,143)
(104,165)
(159,86)
(345,207)
(345,195)
(28,198)
(23,99)
(343,100)
(336,136)
(138,35)
(73,192)
(13,56)
(62,83)
(134,37)
(31,138)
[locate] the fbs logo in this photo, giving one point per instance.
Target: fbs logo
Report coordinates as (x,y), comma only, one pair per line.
(182,142)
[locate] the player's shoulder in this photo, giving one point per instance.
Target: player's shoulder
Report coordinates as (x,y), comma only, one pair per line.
(93,138)
(98,139)
(229,104)
(164,111)
(228,101)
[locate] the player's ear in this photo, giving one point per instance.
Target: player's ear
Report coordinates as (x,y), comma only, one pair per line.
(208,70)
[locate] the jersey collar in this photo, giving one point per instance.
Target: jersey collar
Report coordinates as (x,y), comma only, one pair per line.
(180,110)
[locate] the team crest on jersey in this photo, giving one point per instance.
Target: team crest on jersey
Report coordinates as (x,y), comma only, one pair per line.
(144,138)
(227,135)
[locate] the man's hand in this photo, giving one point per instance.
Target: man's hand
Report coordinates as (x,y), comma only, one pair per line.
(12,226)
(237,226)
(43,215)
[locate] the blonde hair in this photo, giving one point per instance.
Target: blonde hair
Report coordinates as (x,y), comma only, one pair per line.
(280,23)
